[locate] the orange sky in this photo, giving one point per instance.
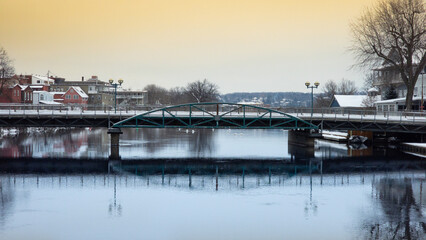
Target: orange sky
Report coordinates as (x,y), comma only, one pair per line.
(242,45)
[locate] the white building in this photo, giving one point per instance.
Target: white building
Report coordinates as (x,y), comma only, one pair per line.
(43,97)
(41,80)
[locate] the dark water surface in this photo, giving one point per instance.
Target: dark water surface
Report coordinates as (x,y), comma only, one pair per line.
(205,185)
(171,143)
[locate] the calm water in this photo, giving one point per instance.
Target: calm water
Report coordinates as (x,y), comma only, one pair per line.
(254,187)
(170,143)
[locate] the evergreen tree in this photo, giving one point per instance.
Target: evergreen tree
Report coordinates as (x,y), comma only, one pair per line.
(391,93)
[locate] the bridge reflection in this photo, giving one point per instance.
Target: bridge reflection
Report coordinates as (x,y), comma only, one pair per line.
(196,173)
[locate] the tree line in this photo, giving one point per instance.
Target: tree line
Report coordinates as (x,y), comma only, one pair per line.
(198,91)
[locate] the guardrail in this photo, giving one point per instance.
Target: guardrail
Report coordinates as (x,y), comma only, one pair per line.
(304,113)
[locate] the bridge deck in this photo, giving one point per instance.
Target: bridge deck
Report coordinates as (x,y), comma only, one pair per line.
(414,123)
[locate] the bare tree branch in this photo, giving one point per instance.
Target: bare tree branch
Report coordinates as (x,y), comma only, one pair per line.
(393,32)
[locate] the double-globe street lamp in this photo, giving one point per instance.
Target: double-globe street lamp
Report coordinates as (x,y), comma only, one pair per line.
(316,84)
(422,107)
(111,81)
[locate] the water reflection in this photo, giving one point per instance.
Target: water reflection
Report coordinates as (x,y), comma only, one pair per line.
(7,195)
(115,208)
(172,143)
(326,201)
(402,203)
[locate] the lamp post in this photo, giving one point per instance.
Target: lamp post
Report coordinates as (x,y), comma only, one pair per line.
(422,101)
(316,84)
(111,81)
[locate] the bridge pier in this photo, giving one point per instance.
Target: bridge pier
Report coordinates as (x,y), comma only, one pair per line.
(301,143)
(302,137)
(115,143)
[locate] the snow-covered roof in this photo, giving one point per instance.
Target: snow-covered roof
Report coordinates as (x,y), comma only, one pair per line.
(23,87)
(54,93)
(50,102)
(36,86)
(42,78)
(250,103)
(353,100)
(395,100)
(40,92)
(373,89)
(350,100)
(80,92)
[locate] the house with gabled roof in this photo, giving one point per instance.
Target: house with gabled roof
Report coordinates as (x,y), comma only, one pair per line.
(75,95)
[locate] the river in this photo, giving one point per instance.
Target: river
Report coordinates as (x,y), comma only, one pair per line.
(178,184)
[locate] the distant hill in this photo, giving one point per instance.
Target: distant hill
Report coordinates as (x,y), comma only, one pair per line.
(273,99)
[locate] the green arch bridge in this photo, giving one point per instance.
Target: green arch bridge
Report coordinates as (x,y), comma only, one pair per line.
(215,115)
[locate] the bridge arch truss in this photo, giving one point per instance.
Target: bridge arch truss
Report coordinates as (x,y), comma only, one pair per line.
(215,115)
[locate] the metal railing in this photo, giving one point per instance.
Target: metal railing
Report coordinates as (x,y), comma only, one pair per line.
(129,110)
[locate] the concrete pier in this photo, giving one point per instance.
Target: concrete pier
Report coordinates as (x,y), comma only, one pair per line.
(302,138)
(115,143)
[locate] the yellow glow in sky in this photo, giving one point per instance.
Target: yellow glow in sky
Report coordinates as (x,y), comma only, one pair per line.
(242,45)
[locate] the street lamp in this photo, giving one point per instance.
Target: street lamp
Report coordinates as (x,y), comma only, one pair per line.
(422,101)
(111,81)
(316,84)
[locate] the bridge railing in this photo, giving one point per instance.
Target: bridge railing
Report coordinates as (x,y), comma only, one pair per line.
(355,114)
(129,110)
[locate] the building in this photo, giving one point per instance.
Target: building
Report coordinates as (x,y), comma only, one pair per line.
(131,97)
(388,75)
(354,101)
(57,96)
(31,80)
(75,96)
(43,97)
(98,92)
(397,104)
(41,80)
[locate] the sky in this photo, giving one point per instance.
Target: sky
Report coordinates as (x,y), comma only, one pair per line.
(241,45)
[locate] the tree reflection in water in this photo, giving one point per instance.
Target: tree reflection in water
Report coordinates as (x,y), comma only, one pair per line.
(7,196)
(200,141)
(402,211)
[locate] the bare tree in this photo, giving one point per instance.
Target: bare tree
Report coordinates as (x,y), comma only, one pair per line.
(157,94)
(368,81)
(347,87)
(6,68)
(202,91)
(331,88)
(178,95)
(393,32)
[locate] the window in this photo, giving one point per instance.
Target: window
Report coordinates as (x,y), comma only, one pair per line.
(68,96)
(391,108)
(385,108)
(41,97)
(75,96)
